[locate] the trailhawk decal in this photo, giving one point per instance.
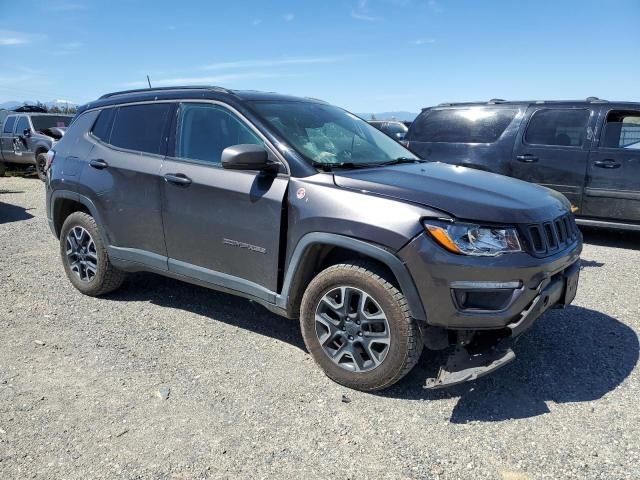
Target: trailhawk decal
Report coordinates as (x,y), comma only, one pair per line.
(235,243)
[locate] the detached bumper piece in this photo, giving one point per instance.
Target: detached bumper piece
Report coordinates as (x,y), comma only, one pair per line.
(463,367)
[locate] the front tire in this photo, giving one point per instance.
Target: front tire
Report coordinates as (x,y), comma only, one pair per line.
(41,163)
(357,326)
(85,258)
(3,169)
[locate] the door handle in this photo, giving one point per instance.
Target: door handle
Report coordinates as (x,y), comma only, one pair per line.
(527,158)
(98,163)
(177,178)
(607,163)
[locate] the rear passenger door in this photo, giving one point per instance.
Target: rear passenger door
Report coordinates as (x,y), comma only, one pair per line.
(553,147)
(221,226)
(613,181)
(123,175)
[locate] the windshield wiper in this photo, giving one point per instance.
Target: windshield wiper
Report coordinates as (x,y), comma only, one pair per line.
(328,166)
(399,160)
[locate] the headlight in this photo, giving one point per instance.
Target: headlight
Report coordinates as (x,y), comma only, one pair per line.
(468,239)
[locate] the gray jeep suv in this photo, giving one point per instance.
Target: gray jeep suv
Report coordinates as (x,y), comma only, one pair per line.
(315,214)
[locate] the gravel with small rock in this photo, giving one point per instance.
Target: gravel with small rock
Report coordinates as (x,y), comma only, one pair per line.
(162,379)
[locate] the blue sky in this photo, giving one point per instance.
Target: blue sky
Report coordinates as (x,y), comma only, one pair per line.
(364,55)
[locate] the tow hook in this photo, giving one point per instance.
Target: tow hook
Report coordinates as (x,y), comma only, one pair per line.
(463,366)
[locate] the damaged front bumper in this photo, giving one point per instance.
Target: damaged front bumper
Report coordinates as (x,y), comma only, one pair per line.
(468,362)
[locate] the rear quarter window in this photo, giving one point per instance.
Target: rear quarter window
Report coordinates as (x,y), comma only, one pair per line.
(102,128)
(462,125)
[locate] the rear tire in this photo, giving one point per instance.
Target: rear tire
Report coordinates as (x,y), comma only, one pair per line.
(41,163)
(3,169)
(357,326)
(85,258)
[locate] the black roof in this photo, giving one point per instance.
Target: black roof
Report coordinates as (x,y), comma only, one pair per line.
(191,92)
(499,101)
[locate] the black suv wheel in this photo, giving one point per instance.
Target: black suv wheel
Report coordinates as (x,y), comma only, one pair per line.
(85,258)
(357,326)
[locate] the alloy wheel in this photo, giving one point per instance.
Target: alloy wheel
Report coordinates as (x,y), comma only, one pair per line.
(81,254)
(352,329)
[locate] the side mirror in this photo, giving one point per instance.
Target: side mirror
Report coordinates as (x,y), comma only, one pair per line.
(247,157)
(26,132)
(400,136)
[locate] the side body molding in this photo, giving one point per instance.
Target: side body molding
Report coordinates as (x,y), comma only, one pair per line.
(378,253)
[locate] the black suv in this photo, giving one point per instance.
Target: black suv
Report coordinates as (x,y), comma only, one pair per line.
(27,134)
(393,128)
(315,214)
(588,150)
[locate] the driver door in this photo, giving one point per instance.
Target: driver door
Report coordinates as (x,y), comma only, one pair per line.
(221,226)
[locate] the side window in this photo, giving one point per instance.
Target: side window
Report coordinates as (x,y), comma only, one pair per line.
(23,123)
(205,130)
(140,127)
(462,125)
(565,128)
(8,125)
(622,130)
(102,128)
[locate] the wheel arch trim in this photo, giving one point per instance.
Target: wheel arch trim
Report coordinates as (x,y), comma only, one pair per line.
(397,267)
(58,195)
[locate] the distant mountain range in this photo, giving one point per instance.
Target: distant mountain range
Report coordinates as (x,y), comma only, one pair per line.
(402,116)
(10,105)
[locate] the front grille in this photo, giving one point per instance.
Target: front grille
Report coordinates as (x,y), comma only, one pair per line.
(547,238)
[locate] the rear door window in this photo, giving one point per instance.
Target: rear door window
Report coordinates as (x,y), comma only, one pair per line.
(141,127)
(8,125)
(462,125)
(558,127)
(622,130)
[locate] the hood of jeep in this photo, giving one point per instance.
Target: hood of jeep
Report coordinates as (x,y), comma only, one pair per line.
(465,193)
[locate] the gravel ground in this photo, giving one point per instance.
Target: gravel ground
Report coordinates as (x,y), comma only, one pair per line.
(168,380)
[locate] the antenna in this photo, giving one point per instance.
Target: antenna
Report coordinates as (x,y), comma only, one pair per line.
(148,81)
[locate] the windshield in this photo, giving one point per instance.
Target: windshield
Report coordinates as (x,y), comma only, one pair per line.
(42,122)
(328,135)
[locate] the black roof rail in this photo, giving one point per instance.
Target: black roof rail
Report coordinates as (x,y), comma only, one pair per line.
(493,101)
(164,89)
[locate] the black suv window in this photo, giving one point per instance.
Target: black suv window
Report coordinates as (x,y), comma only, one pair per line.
(205,130)
(43,122)
(102,128)
(23,124)
(622,130)
(8,125)
(566,128)
(140,127)
(462,125)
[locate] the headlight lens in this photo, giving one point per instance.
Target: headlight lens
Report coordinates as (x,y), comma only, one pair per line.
(468,239)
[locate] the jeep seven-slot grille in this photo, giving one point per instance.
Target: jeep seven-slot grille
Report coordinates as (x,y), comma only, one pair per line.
(547,238)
